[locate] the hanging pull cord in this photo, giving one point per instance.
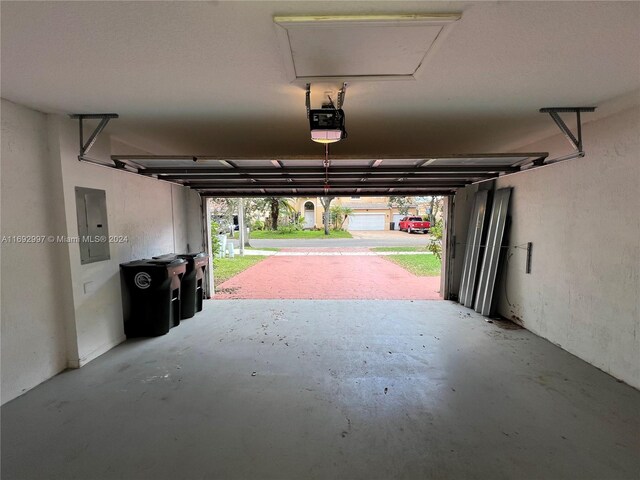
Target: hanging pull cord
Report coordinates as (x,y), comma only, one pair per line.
(326,164)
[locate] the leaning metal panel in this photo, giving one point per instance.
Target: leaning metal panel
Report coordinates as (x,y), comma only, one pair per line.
(489,269)
(472,250)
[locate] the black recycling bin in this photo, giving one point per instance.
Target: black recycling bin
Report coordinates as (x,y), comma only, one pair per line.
(151,295)
(191,290)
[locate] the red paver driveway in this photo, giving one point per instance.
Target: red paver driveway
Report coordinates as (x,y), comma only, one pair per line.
(329,277)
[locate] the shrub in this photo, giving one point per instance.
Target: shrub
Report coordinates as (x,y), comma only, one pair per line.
(258,225)
(284,229)
(338,216)
(435,246)
(215,241)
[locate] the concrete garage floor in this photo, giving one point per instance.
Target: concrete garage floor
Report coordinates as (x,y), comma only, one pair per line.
(342,390)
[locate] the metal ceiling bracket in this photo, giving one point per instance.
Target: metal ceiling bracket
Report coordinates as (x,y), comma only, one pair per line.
(341,95)
(104,120)
(575,140)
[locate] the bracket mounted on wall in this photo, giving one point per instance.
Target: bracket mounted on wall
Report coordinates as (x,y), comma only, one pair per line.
(104,119)
(575,140)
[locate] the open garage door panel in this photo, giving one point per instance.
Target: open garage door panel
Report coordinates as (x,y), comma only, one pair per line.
(343,176)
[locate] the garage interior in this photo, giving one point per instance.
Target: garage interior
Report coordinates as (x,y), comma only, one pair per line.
(163,105)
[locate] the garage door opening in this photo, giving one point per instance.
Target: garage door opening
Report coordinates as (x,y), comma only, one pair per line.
(376,271)
(283,250)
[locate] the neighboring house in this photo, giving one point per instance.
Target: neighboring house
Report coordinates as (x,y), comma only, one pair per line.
(369,213)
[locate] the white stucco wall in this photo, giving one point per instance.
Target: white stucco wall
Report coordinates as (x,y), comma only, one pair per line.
(583,217)
(195,224)
(156,217)
(35,294)
(150,213)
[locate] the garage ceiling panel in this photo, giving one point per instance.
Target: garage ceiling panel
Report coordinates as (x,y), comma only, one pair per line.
(364,51)
(310,162)
(161,162)
(361,46)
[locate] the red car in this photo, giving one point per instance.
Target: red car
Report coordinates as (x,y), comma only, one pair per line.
(414,224)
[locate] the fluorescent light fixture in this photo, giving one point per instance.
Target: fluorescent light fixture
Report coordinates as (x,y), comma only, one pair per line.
(429,18)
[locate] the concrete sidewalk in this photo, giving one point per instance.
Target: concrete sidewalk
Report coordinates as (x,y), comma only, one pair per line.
(318,252)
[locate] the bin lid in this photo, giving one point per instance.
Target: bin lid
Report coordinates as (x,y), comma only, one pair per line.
(136,263)
(166,256)
(168,262)
(192,255)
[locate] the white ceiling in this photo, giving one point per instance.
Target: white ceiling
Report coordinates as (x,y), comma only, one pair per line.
(209,78)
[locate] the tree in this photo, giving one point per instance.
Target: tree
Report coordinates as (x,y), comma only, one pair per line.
(422,204)
(275,212)
(432,205)
(275,205)
(326,204)
(435,207)
(223,210)
(403,204)
(256,208)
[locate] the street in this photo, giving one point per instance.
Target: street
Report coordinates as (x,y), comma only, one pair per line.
(360,239)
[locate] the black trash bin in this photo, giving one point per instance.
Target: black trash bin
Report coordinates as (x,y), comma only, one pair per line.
(191,290)
(151,296)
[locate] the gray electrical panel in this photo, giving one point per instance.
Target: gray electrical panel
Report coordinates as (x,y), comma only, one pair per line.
(93,231)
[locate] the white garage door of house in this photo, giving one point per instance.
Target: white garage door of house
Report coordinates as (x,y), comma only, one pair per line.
(363,221)
(396,220)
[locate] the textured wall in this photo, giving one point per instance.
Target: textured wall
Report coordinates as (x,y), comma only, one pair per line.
(34,294)
(55,311)
(583,217)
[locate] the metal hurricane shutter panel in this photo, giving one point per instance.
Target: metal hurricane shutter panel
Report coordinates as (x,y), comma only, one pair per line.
(472,250)
(487,280)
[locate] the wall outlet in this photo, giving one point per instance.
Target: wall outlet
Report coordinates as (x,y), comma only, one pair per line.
(89,287)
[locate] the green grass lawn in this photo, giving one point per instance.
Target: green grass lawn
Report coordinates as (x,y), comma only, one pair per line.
(420,265)
(225,268)
(270,234)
